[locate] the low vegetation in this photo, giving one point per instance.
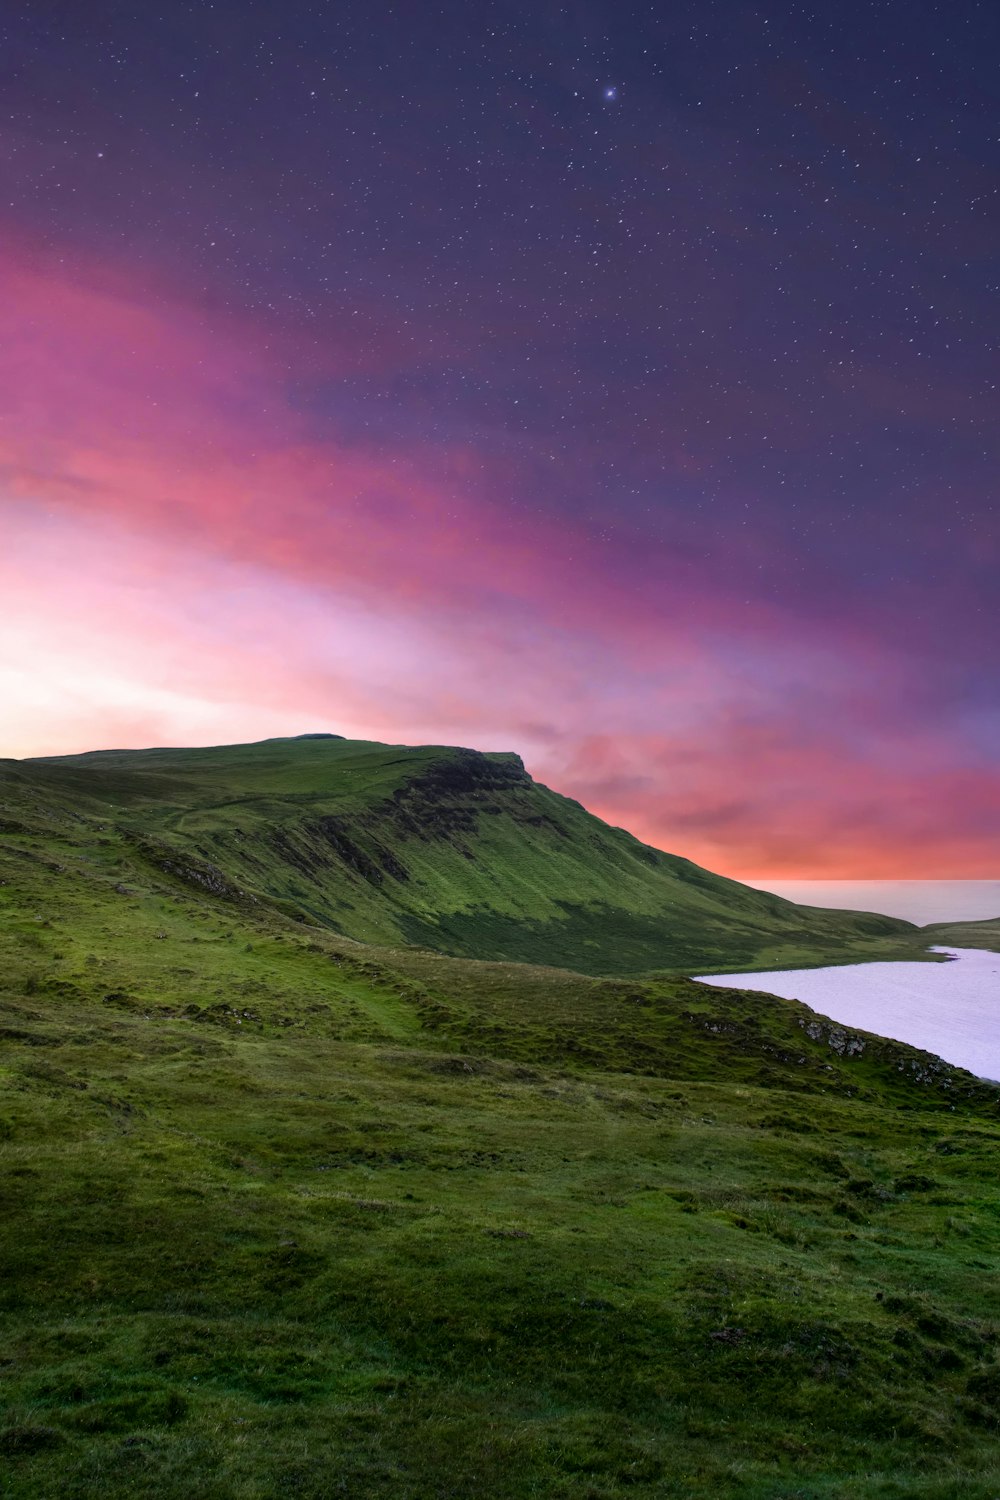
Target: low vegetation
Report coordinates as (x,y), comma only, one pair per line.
(285,1214)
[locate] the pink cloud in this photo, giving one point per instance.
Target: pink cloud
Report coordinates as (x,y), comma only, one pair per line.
(750,798)
(187,559)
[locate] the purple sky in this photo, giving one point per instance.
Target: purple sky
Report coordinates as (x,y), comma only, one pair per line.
(611,383)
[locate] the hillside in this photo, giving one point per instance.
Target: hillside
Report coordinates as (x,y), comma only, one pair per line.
(964,935)
(443,848)
(283,1214)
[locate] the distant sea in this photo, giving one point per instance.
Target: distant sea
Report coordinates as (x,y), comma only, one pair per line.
(919,901)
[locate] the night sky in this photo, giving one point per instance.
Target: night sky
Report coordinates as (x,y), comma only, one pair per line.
(611,383)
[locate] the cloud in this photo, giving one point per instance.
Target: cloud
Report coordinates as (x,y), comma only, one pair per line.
(188,556)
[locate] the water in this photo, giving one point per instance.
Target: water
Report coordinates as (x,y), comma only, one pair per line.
(951,1009)
(919,901)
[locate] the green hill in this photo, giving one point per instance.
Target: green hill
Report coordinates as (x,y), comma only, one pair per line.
(964,934)
(438,847)
(282,1214)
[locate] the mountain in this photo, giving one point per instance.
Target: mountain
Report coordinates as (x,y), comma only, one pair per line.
(282,1213)
(443,848)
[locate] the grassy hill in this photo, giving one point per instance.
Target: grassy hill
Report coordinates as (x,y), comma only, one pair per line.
(287,1215)
(284,1213)
(444,848)
(964,935)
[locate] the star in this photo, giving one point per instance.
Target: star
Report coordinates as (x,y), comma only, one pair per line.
(611,93)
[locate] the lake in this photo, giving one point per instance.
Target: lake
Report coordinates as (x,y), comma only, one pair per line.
(951,1009)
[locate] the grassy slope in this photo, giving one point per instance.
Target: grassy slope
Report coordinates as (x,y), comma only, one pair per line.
(964,935)
(444,848)
(286,1215)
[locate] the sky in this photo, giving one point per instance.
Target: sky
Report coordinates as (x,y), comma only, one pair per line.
(611,383)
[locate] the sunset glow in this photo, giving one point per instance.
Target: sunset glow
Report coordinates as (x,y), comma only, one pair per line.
(698,582)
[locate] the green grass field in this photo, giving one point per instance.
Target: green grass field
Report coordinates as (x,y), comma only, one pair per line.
(285,1214)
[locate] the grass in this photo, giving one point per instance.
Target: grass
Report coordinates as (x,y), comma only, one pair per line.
(443,848)
(965,935)
(284,1214)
